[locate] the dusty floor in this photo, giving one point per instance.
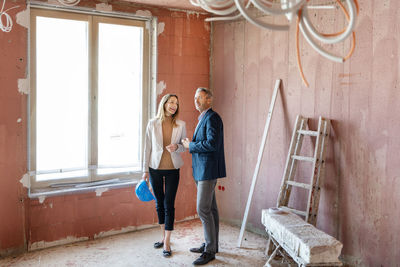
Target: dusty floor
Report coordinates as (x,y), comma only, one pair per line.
(136,249)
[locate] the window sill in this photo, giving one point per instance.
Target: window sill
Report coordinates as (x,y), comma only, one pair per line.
(42,193)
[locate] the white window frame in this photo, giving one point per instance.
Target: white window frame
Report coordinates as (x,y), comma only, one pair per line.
(148,92)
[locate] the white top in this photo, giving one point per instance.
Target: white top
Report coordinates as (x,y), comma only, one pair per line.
(202,114)
(153,147)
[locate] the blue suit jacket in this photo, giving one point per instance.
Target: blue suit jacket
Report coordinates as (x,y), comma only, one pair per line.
(207,148)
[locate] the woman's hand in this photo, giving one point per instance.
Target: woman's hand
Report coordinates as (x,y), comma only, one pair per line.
(145,177)
(172,148)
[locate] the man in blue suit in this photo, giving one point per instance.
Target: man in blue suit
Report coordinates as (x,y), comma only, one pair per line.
(208,163)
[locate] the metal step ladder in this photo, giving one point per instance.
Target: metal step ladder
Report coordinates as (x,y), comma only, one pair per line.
(318,168)
(317,174)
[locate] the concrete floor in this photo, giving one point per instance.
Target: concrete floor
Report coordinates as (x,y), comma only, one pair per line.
(136,249)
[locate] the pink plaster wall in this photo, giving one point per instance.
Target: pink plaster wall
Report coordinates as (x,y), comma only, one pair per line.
(183,64)
(361,191)
(13,59)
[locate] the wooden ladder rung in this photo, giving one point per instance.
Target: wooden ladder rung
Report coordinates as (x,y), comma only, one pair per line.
(302,185)
(305,132)
(311,159)
(299,212)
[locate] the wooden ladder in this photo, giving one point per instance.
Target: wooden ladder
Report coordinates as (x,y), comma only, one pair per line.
(318,170)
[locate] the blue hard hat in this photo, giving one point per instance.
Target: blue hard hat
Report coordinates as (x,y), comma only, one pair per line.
(143,192)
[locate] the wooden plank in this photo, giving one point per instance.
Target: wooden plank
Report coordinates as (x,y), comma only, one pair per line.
(315,174)
(297,184)
(302,158)
(305,132)
(260,156)
(321,170)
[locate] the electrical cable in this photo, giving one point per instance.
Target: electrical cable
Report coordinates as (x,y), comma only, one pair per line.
(235,17)
(224,18)
(69,2)
(353,41)
(289,8)
(298,51)
(335,38)
(223,10)
(278,11)
(258,22)
(7,27)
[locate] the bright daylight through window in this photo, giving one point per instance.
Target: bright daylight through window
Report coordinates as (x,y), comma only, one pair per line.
(89,99)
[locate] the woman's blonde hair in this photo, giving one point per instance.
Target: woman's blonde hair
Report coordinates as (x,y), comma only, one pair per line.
(161,109)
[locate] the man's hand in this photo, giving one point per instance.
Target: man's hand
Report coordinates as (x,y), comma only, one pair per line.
(186,142)
(172,148)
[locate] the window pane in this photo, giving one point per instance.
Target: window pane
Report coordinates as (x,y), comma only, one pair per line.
(119,100)
(61,94)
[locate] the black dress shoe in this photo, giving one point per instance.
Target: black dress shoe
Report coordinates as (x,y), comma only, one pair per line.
(204,258)
(158,244)
(200,249)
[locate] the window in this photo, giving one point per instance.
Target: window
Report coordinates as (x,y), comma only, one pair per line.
(90,97)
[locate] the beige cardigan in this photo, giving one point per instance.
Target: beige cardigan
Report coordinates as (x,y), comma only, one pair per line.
(153,147)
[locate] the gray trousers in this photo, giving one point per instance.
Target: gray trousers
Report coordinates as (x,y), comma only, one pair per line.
(208,213)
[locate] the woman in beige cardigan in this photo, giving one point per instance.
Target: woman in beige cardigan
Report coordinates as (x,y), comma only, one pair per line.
(162,161)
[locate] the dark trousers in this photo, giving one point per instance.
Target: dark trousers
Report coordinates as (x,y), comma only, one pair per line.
(165,198)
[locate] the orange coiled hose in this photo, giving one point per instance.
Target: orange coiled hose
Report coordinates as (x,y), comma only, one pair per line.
(353,41)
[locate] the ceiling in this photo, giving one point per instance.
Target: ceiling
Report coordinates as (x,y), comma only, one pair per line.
(186,5)
(179,4)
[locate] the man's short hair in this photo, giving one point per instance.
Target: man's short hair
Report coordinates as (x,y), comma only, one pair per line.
(205,90)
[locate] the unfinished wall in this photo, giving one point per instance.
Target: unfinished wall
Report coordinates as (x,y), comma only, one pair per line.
(183,65)
(12,135)
(362,185)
